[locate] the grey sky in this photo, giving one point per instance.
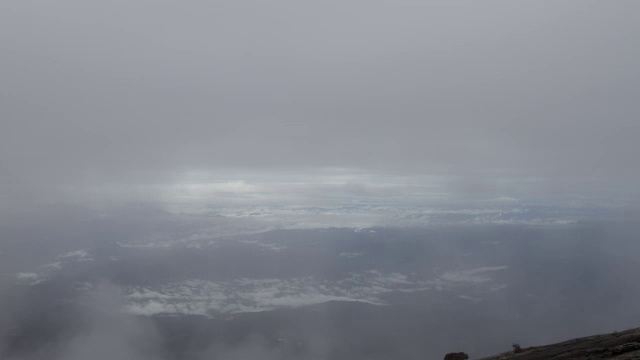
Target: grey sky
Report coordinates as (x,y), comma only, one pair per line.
(119,91)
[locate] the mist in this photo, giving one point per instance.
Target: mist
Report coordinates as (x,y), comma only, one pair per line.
(330,180)
(139,94)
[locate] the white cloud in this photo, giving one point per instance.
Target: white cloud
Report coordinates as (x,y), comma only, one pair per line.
(470,298)
(475,276)
(248,295)
(75,254)
(27,276)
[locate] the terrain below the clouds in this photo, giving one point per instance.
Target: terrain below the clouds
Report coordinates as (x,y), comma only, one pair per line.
(145,283)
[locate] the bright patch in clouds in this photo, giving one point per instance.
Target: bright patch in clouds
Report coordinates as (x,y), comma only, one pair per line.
(208,298)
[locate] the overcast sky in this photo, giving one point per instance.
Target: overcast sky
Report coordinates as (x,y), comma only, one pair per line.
(96,92)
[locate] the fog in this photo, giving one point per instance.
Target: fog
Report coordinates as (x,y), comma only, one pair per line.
(315,180)
(104,93)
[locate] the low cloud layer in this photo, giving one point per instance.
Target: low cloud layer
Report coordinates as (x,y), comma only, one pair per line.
(208,298)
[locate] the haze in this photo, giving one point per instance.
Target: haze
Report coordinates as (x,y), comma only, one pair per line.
(111,93)
(315,180)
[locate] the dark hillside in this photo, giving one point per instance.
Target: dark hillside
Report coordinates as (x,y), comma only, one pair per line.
(623,345)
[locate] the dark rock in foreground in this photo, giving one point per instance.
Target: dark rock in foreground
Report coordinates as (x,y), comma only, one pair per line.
(624,345)
(456,356)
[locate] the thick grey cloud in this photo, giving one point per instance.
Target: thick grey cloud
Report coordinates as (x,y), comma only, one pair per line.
(120,91)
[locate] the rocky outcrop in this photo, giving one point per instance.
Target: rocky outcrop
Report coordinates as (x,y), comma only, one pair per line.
(456,356)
